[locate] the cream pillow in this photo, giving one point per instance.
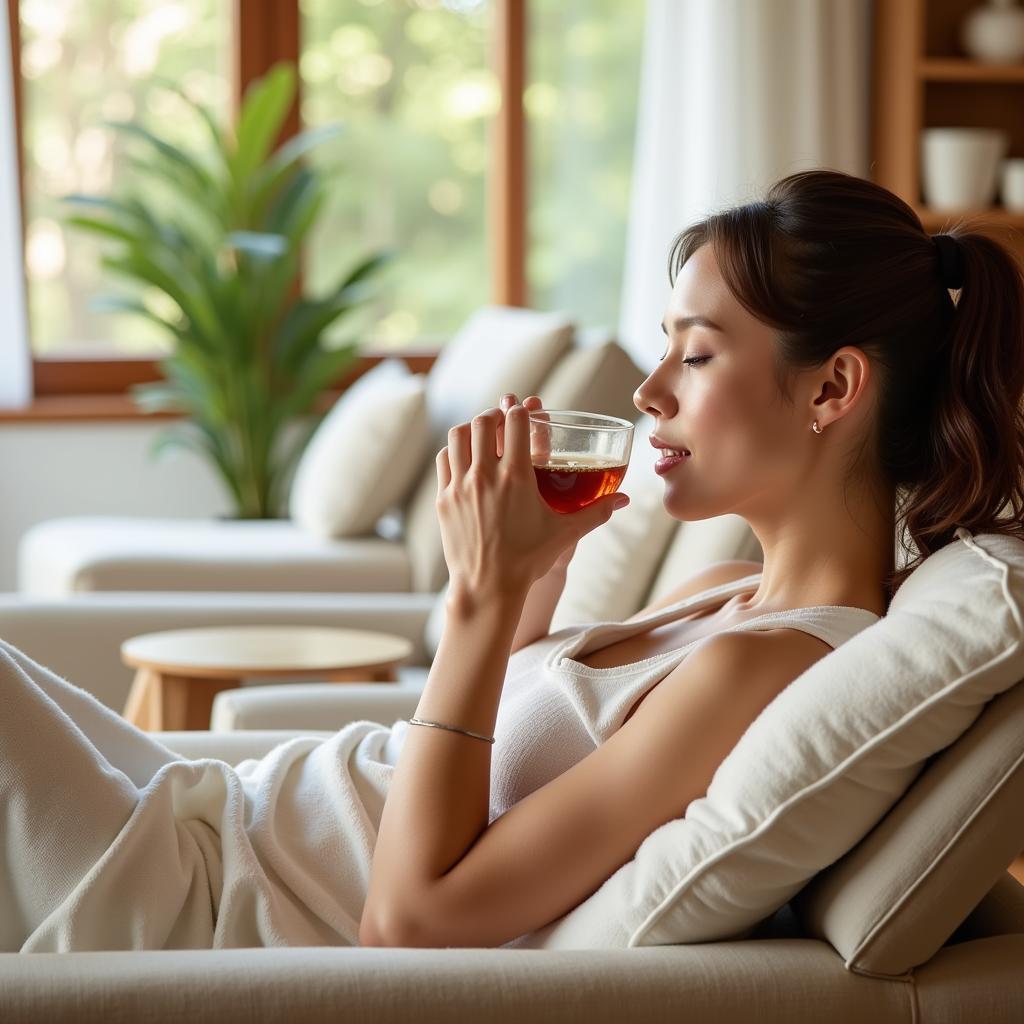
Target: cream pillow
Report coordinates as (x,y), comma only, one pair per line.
(366,454)
(823,762)
(895,899)
(498,349)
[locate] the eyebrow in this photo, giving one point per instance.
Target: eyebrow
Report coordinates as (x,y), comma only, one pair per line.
(682,322)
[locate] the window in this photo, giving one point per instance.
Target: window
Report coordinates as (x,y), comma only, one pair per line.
(412,85)
(419,85)
(580,106)
(84,64)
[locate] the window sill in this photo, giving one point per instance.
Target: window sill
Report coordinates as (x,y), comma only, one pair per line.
(79,408)
(76,408)
(52,406)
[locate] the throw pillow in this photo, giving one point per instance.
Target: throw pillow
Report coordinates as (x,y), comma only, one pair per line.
(895,899)
(366,454)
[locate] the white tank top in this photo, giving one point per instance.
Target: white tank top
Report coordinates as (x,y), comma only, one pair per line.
(554,710)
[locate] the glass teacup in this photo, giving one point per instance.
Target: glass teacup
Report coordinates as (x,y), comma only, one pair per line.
(578,456)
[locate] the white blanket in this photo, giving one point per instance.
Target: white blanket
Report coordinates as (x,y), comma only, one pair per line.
(112,841)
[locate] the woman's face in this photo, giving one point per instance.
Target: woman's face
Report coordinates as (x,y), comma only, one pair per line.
(725,409)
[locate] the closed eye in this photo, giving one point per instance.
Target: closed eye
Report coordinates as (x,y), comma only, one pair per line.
(690,360)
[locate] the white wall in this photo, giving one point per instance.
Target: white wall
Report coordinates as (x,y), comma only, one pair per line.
(70,469)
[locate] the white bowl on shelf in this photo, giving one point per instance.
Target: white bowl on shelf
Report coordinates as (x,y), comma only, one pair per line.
(960,166)
(1012,184)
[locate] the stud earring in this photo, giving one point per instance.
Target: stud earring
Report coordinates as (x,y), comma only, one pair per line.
(815,427)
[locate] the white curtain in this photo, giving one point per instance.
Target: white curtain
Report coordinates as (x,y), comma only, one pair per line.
(734,94)
(15,359)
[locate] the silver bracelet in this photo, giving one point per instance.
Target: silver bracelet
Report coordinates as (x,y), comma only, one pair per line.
(441,725)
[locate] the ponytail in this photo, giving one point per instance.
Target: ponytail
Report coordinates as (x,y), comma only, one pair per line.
(973,456)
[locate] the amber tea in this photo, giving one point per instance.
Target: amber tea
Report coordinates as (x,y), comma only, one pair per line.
(578,457)
(571,482)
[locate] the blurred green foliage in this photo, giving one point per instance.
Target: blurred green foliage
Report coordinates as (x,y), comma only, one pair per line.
(412,80)
(248,359)
(84,64)
(412,83)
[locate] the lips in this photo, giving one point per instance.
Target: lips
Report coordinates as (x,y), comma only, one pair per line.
(665,464)
(667,450)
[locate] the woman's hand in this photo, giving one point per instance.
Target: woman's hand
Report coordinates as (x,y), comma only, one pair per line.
(497,531)
(533,404)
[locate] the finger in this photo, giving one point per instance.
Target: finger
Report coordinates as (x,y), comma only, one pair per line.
(540,435)
(459,451)
(444,470)
(517,440)
(507,401)
(484,439)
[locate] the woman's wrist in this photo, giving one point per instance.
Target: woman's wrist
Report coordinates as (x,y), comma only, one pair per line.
(467,599)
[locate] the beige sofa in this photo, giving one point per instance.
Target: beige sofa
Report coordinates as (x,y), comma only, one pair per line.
(539,352)
(965,963)
(778,975)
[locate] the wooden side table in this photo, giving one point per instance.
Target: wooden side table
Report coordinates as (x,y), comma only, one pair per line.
(180,671)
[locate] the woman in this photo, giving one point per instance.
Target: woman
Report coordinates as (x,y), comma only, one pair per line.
(818,380)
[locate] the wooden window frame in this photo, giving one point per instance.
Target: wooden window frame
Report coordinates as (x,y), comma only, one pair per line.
(264,32)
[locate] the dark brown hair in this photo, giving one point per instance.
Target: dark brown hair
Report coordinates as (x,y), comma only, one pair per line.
(828,260)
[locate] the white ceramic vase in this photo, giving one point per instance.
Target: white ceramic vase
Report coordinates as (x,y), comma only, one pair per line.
(994,32)
(960,166)
(1012,185)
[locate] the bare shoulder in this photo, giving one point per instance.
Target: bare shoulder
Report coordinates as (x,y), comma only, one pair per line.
(714,575)
(737,674)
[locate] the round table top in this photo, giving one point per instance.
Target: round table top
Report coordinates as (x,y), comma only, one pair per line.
(263,650)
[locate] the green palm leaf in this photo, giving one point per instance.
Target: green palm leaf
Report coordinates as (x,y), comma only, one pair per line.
(219,231)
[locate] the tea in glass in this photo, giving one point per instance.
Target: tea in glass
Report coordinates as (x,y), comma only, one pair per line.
(578,457)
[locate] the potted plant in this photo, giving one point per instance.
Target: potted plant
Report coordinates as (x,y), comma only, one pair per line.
(224,247)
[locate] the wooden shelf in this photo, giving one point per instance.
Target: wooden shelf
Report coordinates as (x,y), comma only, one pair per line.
(960,69)
(996,216)
(921,79)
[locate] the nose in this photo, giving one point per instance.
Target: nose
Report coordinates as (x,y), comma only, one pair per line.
(651,399)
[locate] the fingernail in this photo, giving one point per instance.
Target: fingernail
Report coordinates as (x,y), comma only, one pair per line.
(620,503)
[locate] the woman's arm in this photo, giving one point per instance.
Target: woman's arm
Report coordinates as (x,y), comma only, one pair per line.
(540,605)
(439,796)
(499,537)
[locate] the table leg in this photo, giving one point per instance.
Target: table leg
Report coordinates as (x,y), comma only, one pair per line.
(142,708)
(187,702)
(159,701)
(361,675)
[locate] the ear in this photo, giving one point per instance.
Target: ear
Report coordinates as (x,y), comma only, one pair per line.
(841,385)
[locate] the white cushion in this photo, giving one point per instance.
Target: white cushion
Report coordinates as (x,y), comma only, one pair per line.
(823,762)
(597,377)
(70,555)
(366,454)
(895,899)
(696,545)
(498,349)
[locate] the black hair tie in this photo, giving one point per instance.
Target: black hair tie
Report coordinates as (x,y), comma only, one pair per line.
(951,260)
